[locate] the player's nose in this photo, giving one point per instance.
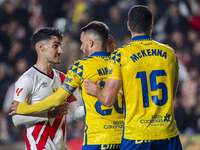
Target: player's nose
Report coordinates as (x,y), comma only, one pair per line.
(60,51)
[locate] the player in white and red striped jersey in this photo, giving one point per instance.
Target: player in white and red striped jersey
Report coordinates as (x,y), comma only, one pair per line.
(47,129)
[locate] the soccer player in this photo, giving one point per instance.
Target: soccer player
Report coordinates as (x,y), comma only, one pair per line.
(47,129)
(148,73)
(103,126)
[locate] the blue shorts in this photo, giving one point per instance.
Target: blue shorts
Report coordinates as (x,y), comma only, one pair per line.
(101,147)
(167,144)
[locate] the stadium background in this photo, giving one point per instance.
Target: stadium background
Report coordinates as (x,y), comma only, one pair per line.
(176,23)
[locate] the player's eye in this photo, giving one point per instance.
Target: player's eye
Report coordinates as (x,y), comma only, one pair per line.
(55,46)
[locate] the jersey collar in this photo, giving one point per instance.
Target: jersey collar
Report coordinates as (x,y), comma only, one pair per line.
(141,38)
(44,73)
(101,54)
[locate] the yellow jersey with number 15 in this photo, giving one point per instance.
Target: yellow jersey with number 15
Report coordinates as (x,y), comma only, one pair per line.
(147,70)
(103,125)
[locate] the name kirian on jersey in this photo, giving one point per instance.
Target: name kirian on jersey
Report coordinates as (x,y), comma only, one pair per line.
(148,52)
(102,71)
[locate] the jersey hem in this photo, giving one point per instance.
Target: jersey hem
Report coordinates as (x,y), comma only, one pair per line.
(151,138)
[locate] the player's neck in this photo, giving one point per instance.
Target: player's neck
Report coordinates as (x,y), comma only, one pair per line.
(133,34)
(44,67)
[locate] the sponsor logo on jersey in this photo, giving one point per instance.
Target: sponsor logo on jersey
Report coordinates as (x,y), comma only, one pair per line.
(157,120)
(110,71)
(44,84)
(115,125)
(18,91)
(54,89)
(110,146)
(67,79)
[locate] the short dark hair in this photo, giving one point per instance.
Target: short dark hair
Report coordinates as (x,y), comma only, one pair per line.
(140,19)
(45,34)
(99,28)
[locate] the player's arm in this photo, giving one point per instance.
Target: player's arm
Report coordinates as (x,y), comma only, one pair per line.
(108,95)
(176,78)
(60,110)
(51,101)
(19,120)
(72,81)
(76,111)
(23,88)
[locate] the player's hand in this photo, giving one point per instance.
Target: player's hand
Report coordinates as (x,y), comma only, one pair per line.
(14,108)
(59,110)
(110,44)
(92,87)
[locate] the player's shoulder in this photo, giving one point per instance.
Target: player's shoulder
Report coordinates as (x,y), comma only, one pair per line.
(79,63)
(29,73)
(166,46)
(76,66)
(27,76)
(123,47)
(58,72)
(118,51)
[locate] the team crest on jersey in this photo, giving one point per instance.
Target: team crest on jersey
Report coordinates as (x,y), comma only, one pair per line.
(55,89)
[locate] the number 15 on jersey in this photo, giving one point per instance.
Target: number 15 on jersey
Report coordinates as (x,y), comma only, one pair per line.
(154,86)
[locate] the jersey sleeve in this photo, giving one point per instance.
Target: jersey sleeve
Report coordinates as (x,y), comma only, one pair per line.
(23,88)
(71,98)
(19,120)
(114,66)
(73,78)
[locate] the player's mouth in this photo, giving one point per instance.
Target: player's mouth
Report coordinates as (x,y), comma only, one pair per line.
(57,59)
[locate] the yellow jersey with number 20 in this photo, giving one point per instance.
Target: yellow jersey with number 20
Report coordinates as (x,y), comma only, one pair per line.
(147,70)
(103,125)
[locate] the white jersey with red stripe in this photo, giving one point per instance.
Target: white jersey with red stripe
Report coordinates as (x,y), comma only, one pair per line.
(41,133)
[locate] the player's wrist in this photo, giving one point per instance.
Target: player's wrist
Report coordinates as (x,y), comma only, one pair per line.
(22,108)
(52,113)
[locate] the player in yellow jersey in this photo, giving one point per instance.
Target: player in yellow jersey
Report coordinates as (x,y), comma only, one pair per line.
(148,73)
(103,125)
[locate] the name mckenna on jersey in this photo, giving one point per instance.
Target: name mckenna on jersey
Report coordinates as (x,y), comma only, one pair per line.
(148,52)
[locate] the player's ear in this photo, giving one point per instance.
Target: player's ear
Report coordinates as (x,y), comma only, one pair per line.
(151,27)
(40,46)
(128,26)
(91,43)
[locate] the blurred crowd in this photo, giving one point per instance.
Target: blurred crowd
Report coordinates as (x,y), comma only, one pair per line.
(176,23)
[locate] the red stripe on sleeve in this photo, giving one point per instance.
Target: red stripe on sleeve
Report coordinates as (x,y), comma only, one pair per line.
(62,77)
